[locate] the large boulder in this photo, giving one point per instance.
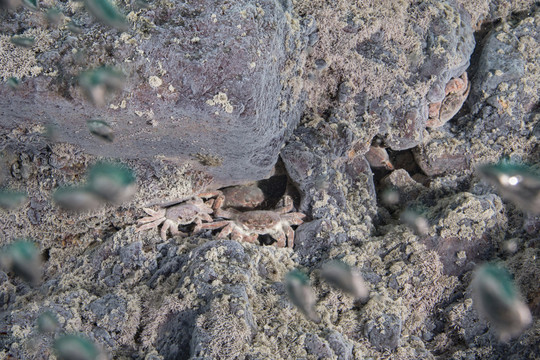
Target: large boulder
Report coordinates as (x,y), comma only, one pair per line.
(211,83)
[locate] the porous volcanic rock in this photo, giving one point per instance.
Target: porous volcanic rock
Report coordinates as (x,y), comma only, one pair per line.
(206,81)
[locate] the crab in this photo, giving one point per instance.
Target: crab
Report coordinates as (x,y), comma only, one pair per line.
(240,197)
(456,92)
(190,210)
(248,225)
(378,158)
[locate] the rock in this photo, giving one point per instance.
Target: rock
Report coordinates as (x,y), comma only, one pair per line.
(224,323)
(317,347)
(407,188)
(109,312)
(393,82)
(200,80)
(384,333)
(465,228)
(441,154)
(341,346)
(502,93)
(502,103)
(328,178)
(118,261)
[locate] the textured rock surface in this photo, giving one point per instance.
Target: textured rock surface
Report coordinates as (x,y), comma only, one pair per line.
(139,297)
(202,78)
(503,101)
(390,70)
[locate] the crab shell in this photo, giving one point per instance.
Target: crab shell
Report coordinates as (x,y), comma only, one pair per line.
(193,211)
(248,225)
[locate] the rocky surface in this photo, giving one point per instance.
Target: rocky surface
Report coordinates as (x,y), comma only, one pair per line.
(201,78)
(328,81)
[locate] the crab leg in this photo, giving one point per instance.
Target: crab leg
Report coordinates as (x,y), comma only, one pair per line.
(164,228)
(290,235)
(154,215)
(294,218)
(214,225)
(236,235)
(251,238)
(225,231)
(287,205)
(281,239)
(216,206)
(175,231)
(149,225)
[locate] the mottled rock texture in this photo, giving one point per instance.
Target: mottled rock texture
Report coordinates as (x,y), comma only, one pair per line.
(368,81)
(386,72)
(503,105)
(208,81)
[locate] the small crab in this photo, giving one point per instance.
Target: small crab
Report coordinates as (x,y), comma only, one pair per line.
(248,225)
(378,158)
(191,210)
(240,197)
(456,92)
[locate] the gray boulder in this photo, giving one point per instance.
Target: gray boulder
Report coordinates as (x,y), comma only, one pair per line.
(206,83)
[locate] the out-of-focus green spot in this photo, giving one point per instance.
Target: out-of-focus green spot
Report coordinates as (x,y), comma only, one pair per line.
(51,131)
(498,300)
(47,322)
(301,294)
(515,182)
(107,13)
(10,4)
(346,278)
(13,83)
(112,181)
(10,200)
(415,220)
(142,4)
(31,4)
(101,129)
(53,16)
(101,82)
(74,28)
(23,258)
(75,198)
(23,41)
(390,196)
(75,347)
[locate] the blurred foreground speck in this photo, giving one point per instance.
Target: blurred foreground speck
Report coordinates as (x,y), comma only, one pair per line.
(22,258)
(10,4)
(516,183)
(10,200)
(14,83)
(301,294)
(75,198)
(23,41)
(415,221)
(53,17)
(99,84)
(107,181)
(74,347)
(107,13)
(31,4)
(496,297)
(47,322)
(74,28)
(113,182)
(101,129)
(390,196)
(346,278)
